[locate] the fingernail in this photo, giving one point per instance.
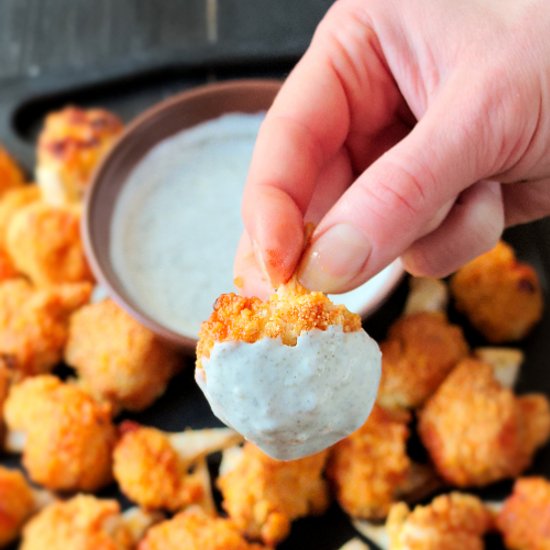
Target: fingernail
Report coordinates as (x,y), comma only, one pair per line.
(334,259)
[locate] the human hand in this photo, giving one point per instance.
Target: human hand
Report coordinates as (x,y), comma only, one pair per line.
(341,147)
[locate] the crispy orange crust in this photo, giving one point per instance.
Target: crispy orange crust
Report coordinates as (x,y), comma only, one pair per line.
(10,174)
(451,522)
(16,504)
(524,521)
(287,313)
(150,472)
(500,296)
(44,243)
(421,349)
(367,467)
(11,203)
(72,143)
(34,323)
(478,432)
(118,359)
(263,496)
(83,522)
(69,436)
(194,530)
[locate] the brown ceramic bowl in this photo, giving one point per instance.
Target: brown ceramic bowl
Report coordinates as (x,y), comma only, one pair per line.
(158,123)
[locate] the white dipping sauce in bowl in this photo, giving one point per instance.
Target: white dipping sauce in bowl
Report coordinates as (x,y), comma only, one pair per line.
(176,224)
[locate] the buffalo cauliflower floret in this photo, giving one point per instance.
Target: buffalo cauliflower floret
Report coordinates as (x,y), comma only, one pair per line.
(262,495)
(421,349)
(34,323)
(451,522)
(44,243)
(83,522)
(367,467)
(150,471)
(12,202)
(70,146)
(500,296)
(195,530)
(478,432)
(117,358)
(285,315)
(10,175)
(16,504)
(67,436)
(524,520)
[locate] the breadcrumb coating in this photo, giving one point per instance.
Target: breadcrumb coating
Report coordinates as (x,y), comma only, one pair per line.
(286,314)
(501,297)
(34,323)
(478,432)
(70,146)
(263,496)
(150,472)
(7,267)
(453,521)
(421,349)
(44,243)
(69,437)
(10,174)
(12,202)
(82,523)
(524,520)
(195,530)
(367,467)
(16,504)
(117,358)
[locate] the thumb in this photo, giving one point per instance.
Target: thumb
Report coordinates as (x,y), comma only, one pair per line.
(395,201)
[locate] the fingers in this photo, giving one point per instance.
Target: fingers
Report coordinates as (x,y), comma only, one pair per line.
(526,201)
(393,202)
(250,279)
(473,226)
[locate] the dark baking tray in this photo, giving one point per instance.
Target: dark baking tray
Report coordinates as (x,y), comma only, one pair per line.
(23,105)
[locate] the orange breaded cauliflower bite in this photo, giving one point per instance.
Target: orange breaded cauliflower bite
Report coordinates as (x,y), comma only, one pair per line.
(44,243)
(83,522)
(367,467)
(117,358)
(524,520)
(10,174)
(262,496)
(12,202)
(34,323)
(454,521)
(52,417)
(150,472)
(16,504)
(194,530)
(478,432)
(70,146)
(421,349)
(285,315)
(501,297)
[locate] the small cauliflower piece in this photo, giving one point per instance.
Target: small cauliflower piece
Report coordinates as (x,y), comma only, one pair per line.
(70,147)
(500,296)
(368,467)
(12,202)
(319,370)
(453,521)
(34,323)
(17,503)
(524,520)
(84,522)
(44,243)
(263,496)
(419,352)
(478,432)
(68,437)
(195,530)
(118,359)
(11,176)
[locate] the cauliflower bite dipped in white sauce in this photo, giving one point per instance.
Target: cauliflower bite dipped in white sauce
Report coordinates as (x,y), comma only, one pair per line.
(294,374)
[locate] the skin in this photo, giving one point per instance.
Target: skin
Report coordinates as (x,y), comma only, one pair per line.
(410,128)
